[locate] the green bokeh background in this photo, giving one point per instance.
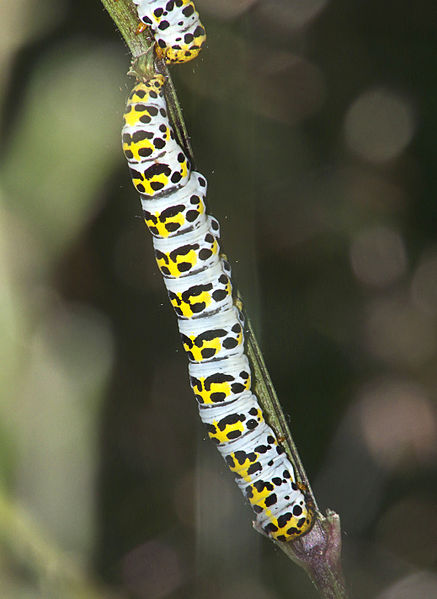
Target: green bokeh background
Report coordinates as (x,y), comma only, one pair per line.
(315,125)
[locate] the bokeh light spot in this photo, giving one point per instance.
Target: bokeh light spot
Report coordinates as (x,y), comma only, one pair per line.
(379,125)
(225,9)
(290,14)
(421,585)
(399,333)
(378,256)
(399,424)
(419,546)
(152,570)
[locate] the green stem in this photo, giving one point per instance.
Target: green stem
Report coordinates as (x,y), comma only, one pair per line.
(319,550)
(124,15)
(264,388)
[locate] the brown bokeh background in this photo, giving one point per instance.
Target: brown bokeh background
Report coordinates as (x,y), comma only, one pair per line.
(315,125)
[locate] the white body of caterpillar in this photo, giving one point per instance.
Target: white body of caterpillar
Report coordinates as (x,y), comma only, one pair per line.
(198,282)
(178,32)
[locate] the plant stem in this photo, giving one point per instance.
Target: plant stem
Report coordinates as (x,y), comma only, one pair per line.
(124,15)
(319,550)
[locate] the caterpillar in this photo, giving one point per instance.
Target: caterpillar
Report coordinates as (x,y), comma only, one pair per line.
(198,281)
(178,32)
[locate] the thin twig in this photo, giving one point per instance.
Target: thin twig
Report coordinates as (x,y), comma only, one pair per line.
(319,550)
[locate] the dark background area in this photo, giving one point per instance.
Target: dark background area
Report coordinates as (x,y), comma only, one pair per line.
(315,125)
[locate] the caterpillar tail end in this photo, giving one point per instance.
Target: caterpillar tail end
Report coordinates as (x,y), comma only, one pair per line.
(289,526)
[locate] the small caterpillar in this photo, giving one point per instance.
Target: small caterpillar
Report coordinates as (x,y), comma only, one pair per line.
(197,278)
(178,32)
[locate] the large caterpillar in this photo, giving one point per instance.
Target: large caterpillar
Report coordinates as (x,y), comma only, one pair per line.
(178,32)
(197,277)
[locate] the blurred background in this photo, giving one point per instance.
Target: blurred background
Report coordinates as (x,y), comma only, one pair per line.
(315,124)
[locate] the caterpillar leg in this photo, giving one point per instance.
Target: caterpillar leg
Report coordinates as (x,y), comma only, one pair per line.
(141,28)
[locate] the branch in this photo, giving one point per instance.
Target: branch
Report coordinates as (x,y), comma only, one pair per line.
(319,550)
(124,15)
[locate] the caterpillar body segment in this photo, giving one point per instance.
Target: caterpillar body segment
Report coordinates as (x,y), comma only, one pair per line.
(176,25)
(252,455)
(182,211)
(198,282)
(156,161)
(229,422)
(190,252)
(220,381)
(215,338)
(281,507)
(208,292)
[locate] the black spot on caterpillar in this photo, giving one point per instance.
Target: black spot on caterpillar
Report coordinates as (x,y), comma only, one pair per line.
(176,27)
